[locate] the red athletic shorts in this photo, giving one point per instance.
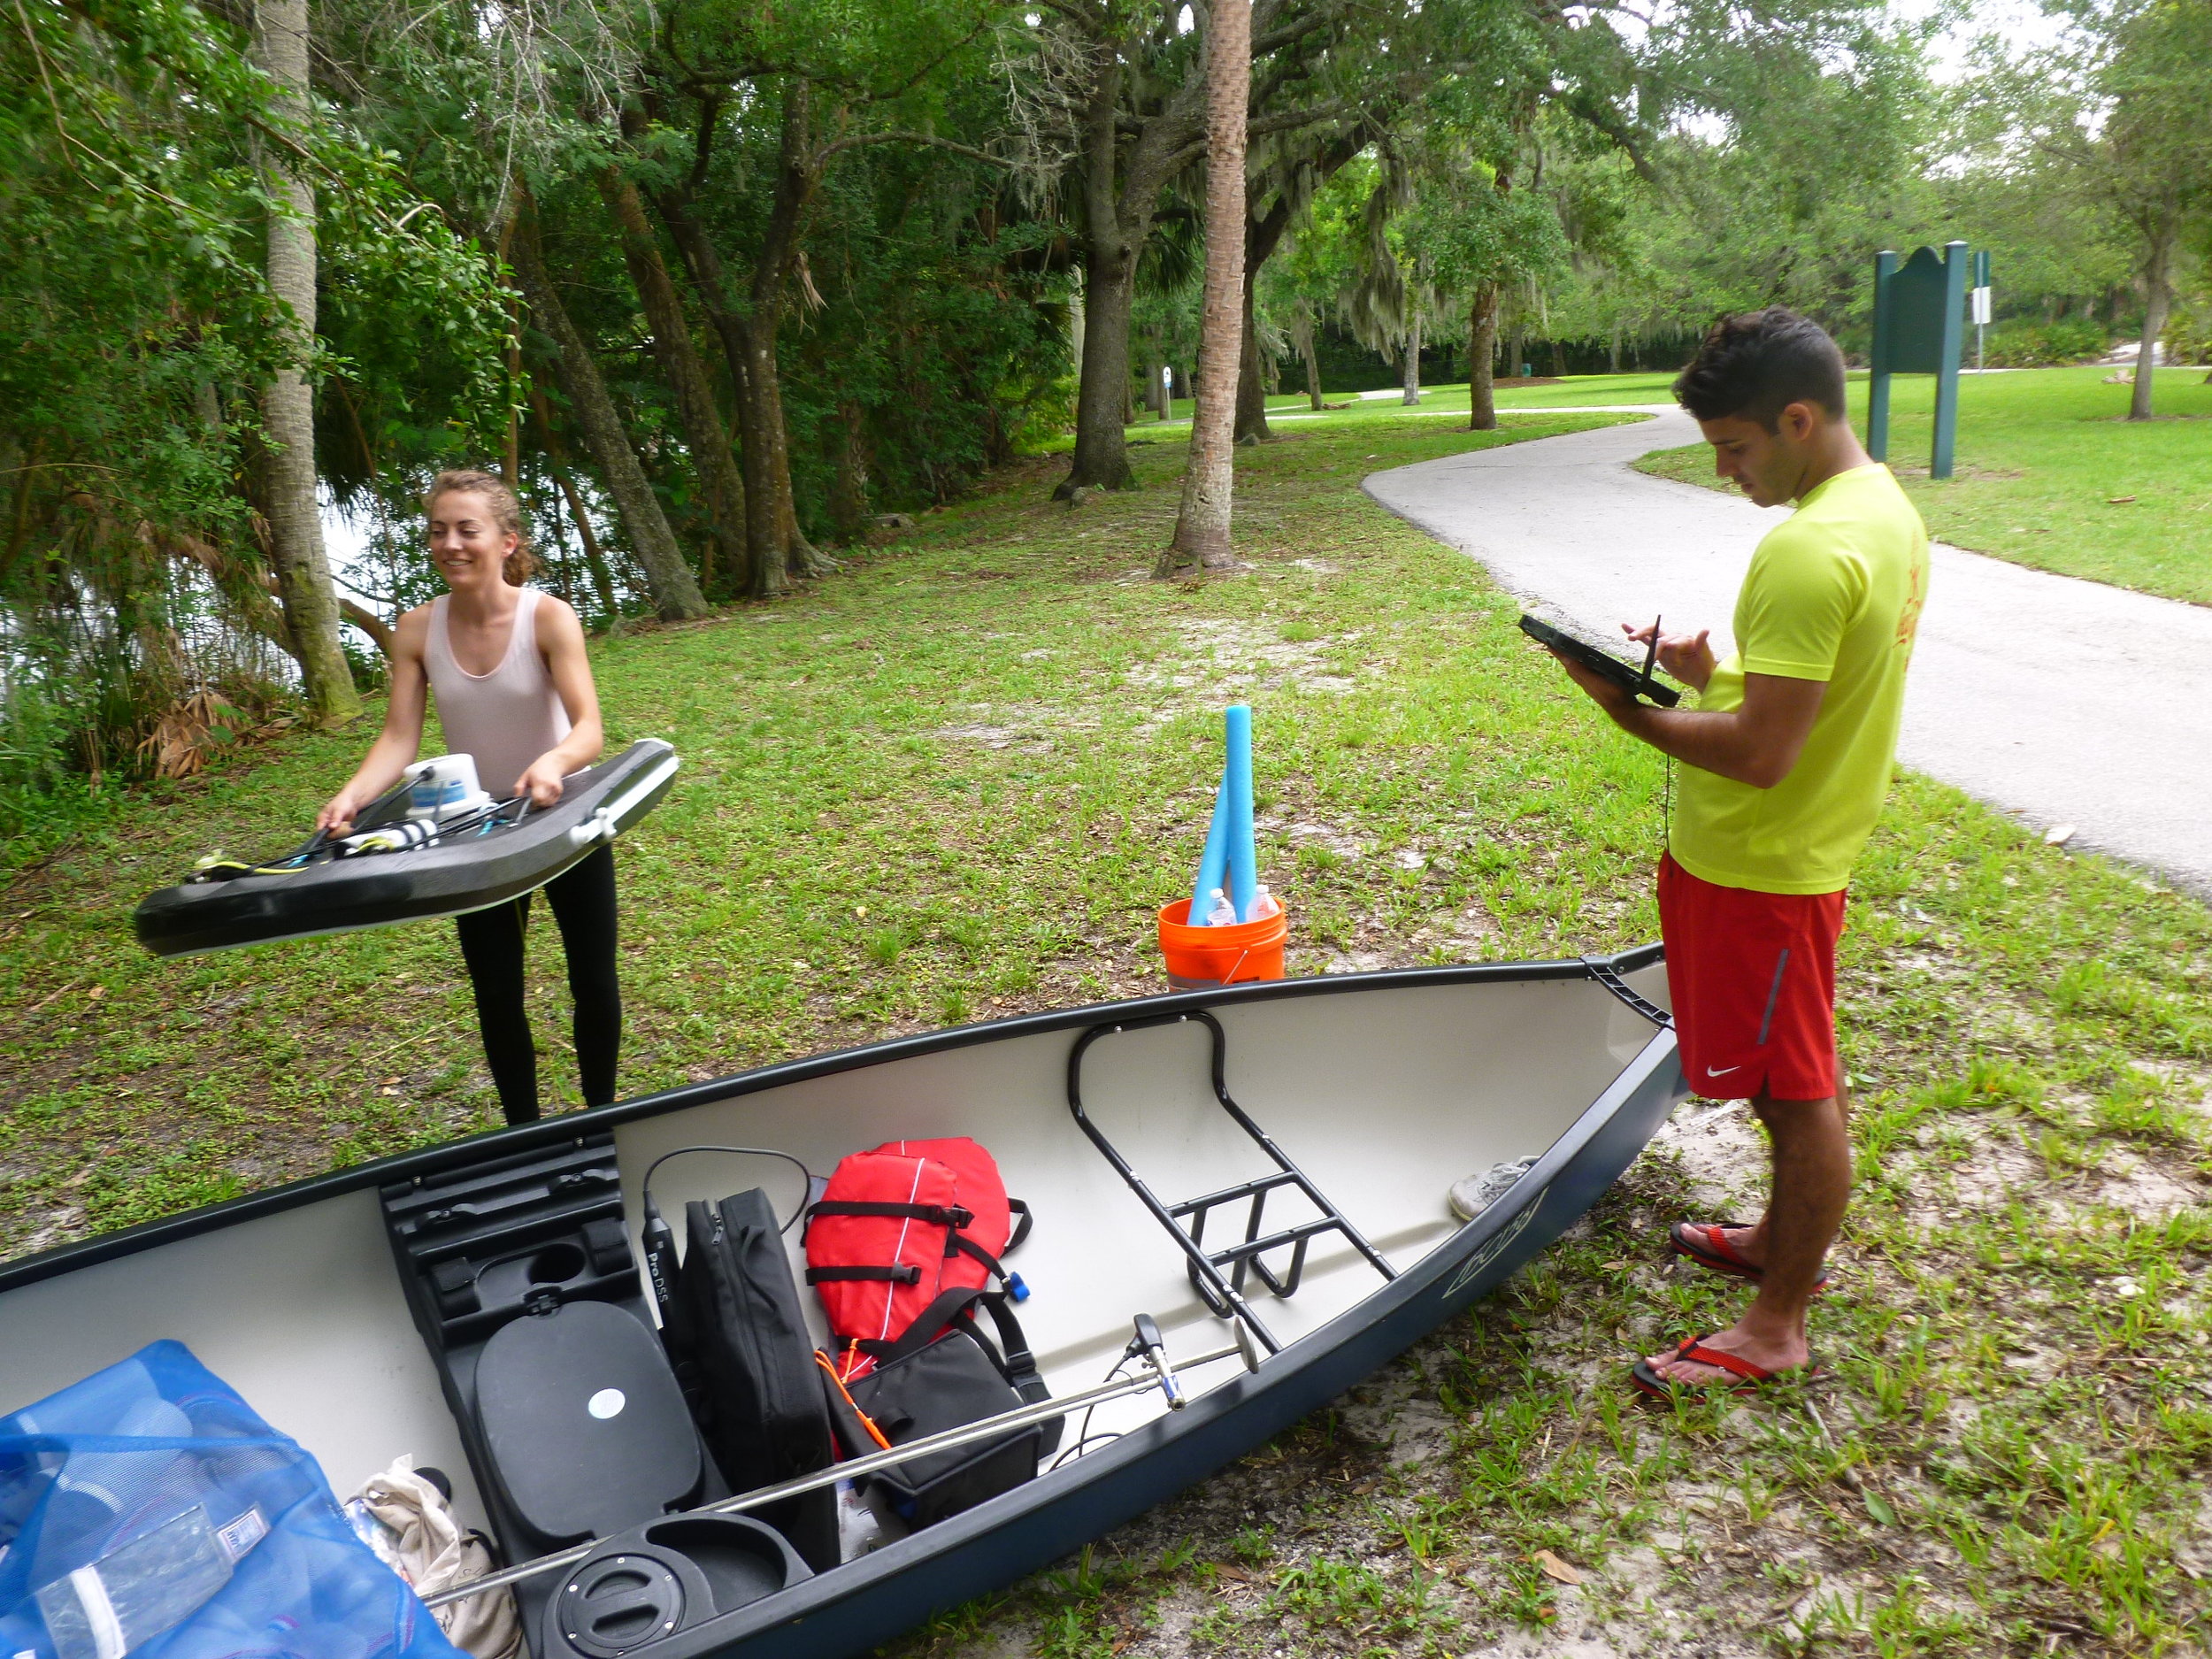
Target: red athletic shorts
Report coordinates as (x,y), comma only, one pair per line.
(1753,976)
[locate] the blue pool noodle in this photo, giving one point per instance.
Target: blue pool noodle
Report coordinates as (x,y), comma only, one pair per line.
(1236,790)
(1214,864)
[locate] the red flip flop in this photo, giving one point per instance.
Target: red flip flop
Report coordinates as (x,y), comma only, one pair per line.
(1750,1377)
(1706,1243)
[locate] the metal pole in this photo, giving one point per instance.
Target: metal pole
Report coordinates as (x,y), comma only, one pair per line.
(1005,1422)
(1877,380)
(1946,403)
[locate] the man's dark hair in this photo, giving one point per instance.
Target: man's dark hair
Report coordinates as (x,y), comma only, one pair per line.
(1756,365)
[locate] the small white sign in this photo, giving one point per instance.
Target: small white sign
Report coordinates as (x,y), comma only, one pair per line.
(1980,298)
(606,1403)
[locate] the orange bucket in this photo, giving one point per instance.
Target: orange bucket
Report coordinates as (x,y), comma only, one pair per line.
(1198,958)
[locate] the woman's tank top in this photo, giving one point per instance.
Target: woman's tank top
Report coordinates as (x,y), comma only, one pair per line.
(505,719)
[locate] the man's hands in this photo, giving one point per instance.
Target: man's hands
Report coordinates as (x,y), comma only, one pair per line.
(542,782)
(1604,692)
(1687,657)
(1758,742)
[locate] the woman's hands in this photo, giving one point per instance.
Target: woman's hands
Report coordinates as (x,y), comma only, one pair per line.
(542,782)
(338,813)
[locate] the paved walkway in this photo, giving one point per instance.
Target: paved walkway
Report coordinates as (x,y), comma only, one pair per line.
(2064,701)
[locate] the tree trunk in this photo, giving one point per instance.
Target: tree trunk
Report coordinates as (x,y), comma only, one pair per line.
(1101,453)
(2158,296)
(1302,340)
(708,282)
(676,595)
(1613,352)
(1155,394)
(687,376)
(1516,342)
(1251,389)
(1201,529)
(772,513)
(1482,346)
(848,474)
(1100,460)
(779,553)
(287,403)
(1413,359)
(594,559)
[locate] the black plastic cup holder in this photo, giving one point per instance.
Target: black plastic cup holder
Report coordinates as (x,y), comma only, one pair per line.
(557,1265)
(665,1577)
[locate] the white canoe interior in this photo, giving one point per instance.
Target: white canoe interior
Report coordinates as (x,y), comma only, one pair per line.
(1383,1094)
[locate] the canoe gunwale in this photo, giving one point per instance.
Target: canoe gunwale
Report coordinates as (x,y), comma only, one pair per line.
(548,1133)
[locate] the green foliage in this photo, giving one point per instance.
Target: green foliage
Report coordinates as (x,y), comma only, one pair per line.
(2026,345)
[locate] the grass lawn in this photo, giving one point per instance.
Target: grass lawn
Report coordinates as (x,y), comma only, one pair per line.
(956,779)
(2049,475)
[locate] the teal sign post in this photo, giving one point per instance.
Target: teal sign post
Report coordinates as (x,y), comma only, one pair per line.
(1919,328)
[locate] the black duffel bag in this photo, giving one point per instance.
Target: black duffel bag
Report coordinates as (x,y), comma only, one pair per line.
(746,1362)
(941,1374)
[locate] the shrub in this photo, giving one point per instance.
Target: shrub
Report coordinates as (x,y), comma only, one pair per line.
(2016,345)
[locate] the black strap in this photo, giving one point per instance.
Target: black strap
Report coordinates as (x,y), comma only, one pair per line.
(1013,1358)
(1020,1367)
(902,1274)
(962,1242)
(926,1328)
(1021,1226)
(936,1214)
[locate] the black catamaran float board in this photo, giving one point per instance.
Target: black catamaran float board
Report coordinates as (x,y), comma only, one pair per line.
(485,865)
(1382,1086)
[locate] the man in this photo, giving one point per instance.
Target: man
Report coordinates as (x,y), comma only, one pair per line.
(1786,760)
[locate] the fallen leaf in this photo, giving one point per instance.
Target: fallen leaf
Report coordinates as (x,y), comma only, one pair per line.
(1234,1573)
(2117,501)
(1556,1569)
(2058,834)
(96,992)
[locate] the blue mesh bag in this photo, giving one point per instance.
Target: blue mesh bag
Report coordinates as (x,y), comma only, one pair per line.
(148,1511)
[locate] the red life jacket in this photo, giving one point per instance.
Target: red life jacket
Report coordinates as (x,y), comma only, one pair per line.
(911,1231)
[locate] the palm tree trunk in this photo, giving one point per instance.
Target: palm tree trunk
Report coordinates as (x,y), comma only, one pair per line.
(287,404)
(1201,529)
(676,595)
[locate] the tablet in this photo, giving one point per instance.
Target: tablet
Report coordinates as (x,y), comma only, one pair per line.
(1635,681)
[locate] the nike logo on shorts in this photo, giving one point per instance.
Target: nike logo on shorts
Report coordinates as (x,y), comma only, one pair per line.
(1721,1071)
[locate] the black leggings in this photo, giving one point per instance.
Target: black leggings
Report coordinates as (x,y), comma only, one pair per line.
(491,943)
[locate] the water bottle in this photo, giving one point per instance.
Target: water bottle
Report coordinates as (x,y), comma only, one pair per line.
(1219,911)
(1263,905)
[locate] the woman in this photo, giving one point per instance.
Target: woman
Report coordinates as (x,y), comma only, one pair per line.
(507,665)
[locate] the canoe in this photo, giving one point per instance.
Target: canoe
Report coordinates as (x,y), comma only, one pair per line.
(1348,1102)
(489,863)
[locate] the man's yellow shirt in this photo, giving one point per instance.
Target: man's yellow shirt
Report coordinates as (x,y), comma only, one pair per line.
(1834,594)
